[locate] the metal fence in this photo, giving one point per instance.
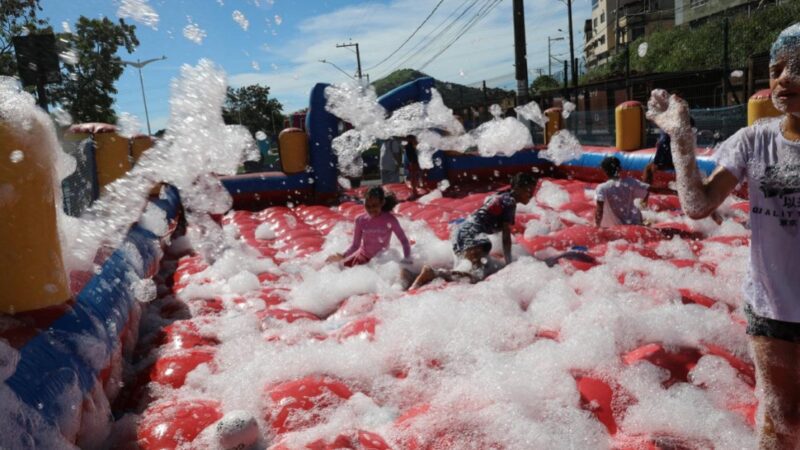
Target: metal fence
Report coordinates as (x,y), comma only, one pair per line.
(717,124)
(79,189)
(598,127)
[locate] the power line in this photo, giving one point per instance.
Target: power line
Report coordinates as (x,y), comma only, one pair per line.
(480,15)
(409,38)
(408,56)
(451,25)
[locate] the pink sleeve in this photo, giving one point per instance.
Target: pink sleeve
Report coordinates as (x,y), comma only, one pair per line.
(401,236)
(356,237)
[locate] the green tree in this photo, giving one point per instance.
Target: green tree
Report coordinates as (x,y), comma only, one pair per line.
(16,17)
(87,85)
(544,83)
(251,106)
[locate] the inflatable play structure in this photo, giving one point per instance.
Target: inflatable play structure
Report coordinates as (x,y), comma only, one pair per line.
(309,172)
(281,351)
(309,164)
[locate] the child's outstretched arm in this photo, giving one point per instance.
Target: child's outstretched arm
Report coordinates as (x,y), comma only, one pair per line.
(598,213)
(698,198)
(401,236)
(353,247)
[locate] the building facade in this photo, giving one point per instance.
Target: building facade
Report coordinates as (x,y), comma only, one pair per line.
(615,23)
(599,34)
(696,11)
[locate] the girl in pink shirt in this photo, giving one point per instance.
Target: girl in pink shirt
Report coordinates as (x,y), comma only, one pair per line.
(373,230)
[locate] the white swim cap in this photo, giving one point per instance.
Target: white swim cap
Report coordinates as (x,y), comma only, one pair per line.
(788,40)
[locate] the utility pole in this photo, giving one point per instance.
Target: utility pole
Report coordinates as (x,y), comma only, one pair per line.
(138,65)
(572,46)
(358,56)
(520,57)
(725,65)
(550,58)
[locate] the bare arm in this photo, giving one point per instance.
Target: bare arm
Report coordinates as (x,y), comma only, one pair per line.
(401,236)
(598,213)
(647,177)
(698,197)
(507,242)
(356,240)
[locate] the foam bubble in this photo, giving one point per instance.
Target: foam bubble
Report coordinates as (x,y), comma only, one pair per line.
(532,112)
(566,109)
(140,11)
(241,20)
(128,125)
(194,33)
(16,156)
(563,147)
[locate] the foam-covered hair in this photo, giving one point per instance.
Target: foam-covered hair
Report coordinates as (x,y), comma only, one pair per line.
(788,40)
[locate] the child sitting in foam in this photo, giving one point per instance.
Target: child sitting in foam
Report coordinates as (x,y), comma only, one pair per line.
(373,230)
(615,198)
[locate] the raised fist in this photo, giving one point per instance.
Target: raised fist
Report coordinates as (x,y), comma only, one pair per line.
(670,113)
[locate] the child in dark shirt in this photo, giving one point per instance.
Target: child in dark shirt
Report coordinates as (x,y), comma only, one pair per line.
(471,242)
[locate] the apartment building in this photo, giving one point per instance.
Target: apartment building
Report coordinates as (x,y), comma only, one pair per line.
(599,34)
(615,23)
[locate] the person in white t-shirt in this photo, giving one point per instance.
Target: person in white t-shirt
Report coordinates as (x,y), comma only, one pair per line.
(615,198)
(391,157)
(767,156)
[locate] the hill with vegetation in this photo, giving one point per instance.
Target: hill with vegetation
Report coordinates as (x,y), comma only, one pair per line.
(455,96)
(685,48)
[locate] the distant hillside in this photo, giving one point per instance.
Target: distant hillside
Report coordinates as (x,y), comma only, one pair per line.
(456,96)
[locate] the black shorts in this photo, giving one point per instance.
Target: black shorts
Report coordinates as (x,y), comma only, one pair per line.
(771,328)
(468,236)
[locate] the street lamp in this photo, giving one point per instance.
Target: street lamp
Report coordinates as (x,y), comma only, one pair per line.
(549,58)
(138,65)
(337,68)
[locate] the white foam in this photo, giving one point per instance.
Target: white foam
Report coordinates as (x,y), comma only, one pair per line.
(154,220)
(551,194)
(563,147)
(359,106)
(532,112)
(265,232)
(128,125)
(197,147)
(241,19)
(502,137)
(144,290)
(566,109)
(194,33)
(140,11)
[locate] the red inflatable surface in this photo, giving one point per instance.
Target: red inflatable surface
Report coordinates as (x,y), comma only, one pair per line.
(296,409)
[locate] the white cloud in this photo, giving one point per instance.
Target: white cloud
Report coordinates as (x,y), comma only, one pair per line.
(486,51)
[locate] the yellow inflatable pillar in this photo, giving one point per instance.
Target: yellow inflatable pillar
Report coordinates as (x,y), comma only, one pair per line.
(760,106)
(112,156)
(111,152)
(629,126)
(140,144)
(31,269)
(293,148)
(554,123)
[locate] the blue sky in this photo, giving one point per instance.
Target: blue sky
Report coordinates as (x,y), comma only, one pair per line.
(285,39)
